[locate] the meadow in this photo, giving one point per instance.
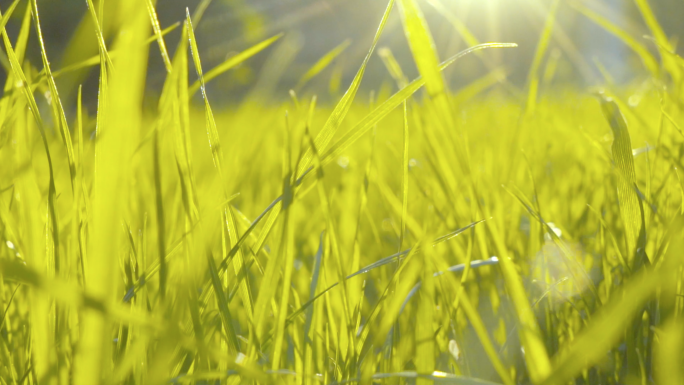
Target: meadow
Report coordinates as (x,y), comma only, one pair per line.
(491,234)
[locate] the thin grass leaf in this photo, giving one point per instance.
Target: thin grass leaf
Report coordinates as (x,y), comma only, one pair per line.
(630,205)
(158,34)
(212,132)
(231,62)
(342,108)
(649,62)
(55,101)
(102,45)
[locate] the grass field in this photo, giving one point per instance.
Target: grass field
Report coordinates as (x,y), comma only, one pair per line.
(488,235)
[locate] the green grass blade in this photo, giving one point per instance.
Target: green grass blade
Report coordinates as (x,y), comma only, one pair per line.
(157,32)
(232,62)
(393,66)
(424,332)
(404,179)
(624,162)
(119,121)
(102,45)
(56,103)
(422,47)
(342,108)
(649,61)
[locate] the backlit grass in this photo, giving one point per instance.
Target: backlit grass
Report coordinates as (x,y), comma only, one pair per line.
(490,234)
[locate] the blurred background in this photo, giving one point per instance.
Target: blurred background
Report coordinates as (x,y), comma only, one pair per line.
(584,53)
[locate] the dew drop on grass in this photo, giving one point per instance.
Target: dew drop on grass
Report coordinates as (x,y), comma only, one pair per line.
(343,162)
(454,350)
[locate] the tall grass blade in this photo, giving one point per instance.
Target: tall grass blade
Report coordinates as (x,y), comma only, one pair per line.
(630,206)
(340,112)
(115,137)
(158,34)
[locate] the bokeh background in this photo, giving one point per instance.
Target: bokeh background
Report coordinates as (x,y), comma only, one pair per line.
(314,27)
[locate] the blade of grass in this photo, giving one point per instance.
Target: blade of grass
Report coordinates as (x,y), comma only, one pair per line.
(157,32)
(342,108)
(427,60)
(624,162)
(231,62)
(119,121)
(404,179)
(102,45)
(649,62)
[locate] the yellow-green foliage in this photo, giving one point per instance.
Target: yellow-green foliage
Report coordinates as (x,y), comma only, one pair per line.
(470,236)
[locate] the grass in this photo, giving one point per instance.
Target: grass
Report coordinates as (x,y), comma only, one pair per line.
(466,237)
